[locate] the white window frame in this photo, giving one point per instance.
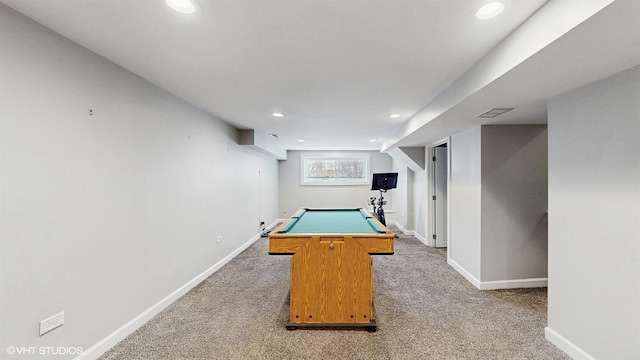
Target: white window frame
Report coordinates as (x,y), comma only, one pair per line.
(308,178)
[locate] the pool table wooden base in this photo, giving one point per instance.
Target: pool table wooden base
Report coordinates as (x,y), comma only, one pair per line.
(331,278)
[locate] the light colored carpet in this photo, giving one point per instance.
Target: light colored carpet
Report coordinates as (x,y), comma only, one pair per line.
(424,310)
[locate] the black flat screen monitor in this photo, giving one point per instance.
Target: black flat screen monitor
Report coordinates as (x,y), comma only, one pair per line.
(384,181)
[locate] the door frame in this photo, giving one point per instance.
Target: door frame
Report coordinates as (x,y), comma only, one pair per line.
(430,173)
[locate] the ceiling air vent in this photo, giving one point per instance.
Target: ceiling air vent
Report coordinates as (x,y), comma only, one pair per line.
(493,113)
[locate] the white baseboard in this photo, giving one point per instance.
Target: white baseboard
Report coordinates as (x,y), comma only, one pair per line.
(565,345)
(497,285)
(404,231)
(513,284)
(134,324)
(410,233)
(421,238)
(467,275)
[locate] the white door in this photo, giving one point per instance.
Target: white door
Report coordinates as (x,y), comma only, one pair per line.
(440,195)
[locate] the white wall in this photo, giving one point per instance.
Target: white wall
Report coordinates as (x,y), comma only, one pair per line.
(594,219)
(401,196)
(420,205)
(465,203)
(294,196)
(104,215)
(410,201)
(498,203)
(410,196)
(514,203)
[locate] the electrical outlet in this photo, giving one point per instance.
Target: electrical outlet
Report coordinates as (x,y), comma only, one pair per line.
(51,323)
(219,238)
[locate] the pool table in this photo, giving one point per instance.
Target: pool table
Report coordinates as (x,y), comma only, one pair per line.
(331,276)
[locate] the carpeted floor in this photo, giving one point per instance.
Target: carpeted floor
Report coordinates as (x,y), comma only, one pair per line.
(424,310)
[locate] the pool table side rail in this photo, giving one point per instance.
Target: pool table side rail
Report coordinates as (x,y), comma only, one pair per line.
(289,244)
(374,223)
(282,242)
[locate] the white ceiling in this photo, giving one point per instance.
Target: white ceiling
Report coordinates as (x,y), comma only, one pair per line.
(338,68)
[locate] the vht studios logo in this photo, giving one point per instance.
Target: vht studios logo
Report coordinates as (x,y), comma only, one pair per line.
(44,350)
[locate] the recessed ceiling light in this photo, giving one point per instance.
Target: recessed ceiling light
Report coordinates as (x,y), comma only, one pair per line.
(275,136)
(278,114)
(394,116)
(300,140)
(372,140)
(490,10)
(182,6)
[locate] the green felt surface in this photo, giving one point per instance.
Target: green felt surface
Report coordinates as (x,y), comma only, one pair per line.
(348,221)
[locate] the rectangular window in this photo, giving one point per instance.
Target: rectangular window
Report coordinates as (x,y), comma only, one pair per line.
(335,169)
